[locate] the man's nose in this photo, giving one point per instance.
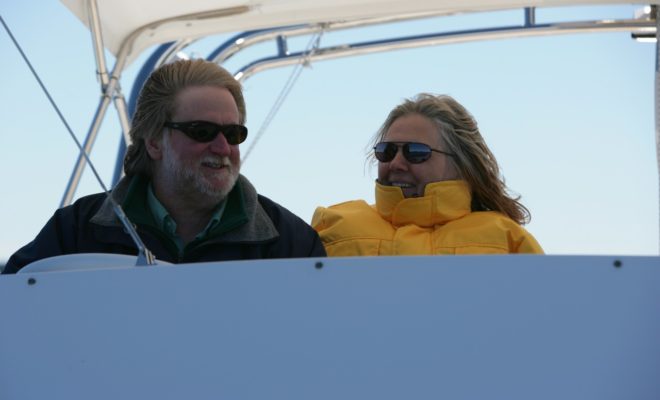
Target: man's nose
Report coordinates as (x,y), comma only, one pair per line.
(219,145)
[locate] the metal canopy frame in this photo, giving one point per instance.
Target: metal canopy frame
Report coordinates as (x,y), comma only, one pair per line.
(528,29)
(646,26)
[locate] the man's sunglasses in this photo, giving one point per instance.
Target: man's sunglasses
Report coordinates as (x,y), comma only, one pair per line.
(204,131)
(414,153)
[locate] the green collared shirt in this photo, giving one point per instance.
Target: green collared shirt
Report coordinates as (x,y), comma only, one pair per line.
(167,224)
(136,204)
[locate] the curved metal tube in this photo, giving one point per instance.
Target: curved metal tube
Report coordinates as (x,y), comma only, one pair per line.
(250,38)
(446,38)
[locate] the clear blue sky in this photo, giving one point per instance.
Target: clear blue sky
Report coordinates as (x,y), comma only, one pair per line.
(570,119)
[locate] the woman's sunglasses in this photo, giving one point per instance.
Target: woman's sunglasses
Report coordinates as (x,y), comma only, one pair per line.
(204,131)
(413,152)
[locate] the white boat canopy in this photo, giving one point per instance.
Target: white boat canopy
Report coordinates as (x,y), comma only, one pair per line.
(128,27)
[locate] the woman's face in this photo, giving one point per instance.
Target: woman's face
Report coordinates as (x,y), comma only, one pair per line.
(412,178)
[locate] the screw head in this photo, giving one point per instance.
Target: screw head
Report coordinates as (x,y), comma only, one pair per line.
(318,265)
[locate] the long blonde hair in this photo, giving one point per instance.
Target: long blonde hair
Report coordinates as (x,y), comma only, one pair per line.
(476,163)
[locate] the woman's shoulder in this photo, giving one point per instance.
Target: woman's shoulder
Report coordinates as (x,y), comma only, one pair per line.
(496,224)
(351,216)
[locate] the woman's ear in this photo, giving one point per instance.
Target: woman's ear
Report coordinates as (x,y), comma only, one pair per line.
(155,147)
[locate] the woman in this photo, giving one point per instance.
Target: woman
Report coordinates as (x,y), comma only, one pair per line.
(439,191)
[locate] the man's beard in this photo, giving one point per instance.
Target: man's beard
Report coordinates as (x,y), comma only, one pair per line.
(189,180)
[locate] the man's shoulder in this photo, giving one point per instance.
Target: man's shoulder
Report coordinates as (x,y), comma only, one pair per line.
(295,235)
(91,198)
(88,204)
(279,214)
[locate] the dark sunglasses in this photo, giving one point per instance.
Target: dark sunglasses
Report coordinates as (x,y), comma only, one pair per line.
(204,131)
(414,153)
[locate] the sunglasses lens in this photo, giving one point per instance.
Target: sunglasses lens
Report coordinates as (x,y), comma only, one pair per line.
(234,134)
(205,132)
(201,132)
(385,152)
(416,153)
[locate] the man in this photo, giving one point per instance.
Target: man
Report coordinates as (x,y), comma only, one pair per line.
(439,191)
(182,188)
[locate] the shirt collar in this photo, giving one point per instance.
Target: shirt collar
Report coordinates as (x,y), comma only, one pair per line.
(167,224)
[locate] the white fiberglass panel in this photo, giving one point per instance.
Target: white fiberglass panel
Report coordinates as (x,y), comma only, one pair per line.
(514,327)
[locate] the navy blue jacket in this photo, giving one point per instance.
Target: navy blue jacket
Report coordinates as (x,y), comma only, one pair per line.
(252,227)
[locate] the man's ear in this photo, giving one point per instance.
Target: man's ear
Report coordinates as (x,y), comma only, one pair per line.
(155,147)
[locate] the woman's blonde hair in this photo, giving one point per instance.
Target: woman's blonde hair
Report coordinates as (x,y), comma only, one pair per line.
(476,164)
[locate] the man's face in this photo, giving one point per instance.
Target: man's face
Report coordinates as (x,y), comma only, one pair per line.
(412,178)
(190,168)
